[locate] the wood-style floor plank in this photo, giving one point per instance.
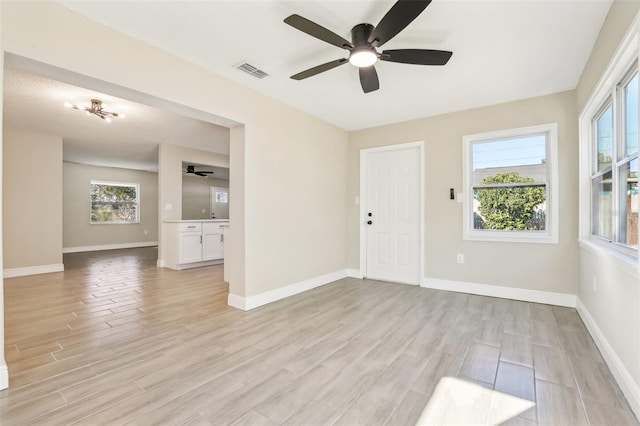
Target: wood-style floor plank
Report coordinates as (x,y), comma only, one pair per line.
(114,340)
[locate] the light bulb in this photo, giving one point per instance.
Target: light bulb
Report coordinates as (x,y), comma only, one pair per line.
(363,58)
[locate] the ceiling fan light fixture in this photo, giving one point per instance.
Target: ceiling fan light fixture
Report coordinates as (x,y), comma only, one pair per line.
(363,57)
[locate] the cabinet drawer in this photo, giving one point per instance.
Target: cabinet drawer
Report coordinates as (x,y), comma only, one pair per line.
(190,227)
(211,228)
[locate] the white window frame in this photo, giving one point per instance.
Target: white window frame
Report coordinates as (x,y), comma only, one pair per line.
(113,183)
(550,235)
(608,90)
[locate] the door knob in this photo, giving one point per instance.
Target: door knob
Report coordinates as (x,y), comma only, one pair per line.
(369,222)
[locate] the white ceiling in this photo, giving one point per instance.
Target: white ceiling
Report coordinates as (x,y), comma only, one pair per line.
(36,103)
(503,50)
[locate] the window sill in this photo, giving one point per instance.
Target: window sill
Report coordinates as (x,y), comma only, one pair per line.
(114,223)
(505,238)
(627,262)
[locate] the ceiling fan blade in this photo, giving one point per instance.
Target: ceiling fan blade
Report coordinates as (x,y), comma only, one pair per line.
(369,79)
(318,69)
(417,56)
(317,31)
(397,18)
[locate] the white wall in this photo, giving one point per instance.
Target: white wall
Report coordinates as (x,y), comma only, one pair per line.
(32,200)
(613,312)
(79,233)
(539,267)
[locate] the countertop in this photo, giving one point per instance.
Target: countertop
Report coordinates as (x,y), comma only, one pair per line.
(196,221)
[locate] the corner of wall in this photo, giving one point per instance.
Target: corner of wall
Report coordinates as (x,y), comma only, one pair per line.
(629,387)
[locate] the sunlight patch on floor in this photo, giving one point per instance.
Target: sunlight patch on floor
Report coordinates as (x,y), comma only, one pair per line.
(459,402)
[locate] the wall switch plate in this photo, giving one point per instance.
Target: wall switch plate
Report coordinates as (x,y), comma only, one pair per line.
(168,207)
(460,258)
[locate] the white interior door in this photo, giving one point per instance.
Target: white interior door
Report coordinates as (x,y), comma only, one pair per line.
(392,214)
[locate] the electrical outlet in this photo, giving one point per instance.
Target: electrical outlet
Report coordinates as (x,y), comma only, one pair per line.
(460,258)
(146,232)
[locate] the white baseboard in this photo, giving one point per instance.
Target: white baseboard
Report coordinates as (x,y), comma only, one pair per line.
(109,247)
(354,273)
(4,374)
(33,270)
(252,302)
(629,387)
(160,263)
(546,297)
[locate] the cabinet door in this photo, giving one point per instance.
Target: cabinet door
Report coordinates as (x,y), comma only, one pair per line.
(212,247)
(190,247)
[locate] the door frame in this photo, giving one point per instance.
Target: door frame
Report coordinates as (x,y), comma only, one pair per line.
(363,202)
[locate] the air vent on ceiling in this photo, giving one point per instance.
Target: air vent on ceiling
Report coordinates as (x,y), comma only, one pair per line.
(251,70)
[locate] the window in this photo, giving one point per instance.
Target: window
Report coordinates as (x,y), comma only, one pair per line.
(510,179)
(113,202)
(614,165)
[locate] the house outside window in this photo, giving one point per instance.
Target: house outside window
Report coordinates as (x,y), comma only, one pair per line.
(114,202)
(614,166)
(511,185)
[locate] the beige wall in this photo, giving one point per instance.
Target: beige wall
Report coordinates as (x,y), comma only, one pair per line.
(544,267)
(615,307)
(196,197)
(613,30)
(79,232)
(32,199)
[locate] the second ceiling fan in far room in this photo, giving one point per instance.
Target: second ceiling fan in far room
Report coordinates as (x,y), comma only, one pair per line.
(191,170)
(365,41)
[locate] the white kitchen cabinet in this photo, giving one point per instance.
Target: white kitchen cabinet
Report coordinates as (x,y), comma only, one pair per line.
(193,243)
(190,247)
(212,241)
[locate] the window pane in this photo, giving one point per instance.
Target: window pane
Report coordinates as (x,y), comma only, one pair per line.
(521,208)
(113,212)
(605,139)
(509,184)
(602,205)
(629,204)
(631,116)
(525,157)
(114,203)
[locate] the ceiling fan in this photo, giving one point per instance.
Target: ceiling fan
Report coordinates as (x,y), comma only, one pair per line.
(365,39)
(191,170)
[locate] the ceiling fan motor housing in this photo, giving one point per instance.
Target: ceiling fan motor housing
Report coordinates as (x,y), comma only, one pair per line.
(360,35)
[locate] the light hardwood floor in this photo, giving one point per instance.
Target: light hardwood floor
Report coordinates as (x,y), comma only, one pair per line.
(115,340)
